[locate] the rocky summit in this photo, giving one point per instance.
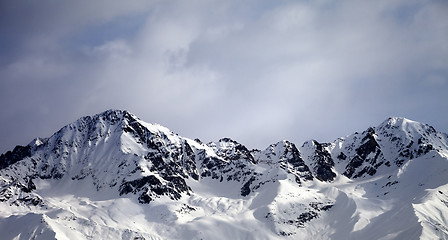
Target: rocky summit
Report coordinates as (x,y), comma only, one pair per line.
(114,176)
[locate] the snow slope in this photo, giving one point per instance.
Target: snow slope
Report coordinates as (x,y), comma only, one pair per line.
(115,176)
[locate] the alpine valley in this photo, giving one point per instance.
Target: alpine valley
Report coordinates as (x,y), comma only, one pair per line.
(114,176)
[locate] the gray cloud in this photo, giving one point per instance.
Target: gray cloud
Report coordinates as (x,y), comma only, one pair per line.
(256,71)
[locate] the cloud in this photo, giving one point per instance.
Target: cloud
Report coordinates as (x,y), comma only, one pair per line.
(257,71)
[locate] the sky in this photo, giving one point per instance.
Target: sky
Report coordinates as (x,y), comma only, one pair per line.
(256,71)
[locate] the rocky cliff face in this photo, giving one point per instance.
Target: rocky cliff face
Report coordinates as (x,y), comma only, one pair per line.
(120,154)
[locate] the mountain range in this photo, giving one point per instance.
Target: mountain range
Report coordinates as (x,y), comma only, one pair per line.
(114,176)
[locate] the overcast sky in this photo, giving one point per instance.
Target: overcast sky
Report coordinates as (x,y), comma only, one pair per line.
(254,70)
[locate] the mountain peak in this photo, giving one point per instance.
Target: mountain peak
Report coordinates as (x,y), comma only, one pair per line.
(116,114)
(114,111)
(82,177)
(398,122)
(404,126)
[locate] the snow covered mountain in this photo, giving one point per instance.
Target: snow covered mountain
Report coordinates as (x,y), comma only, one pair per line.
(115,176)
